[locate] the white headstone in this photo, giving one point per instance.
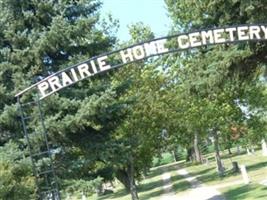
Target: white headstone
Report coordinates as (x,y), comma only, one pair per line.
(84,197)
(264,147)
(238,149)
(244,174)
(248,151)
(68,197)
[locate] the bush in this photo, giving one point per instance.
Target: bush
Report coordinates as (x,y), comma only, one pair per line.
(76,187)
(165,158)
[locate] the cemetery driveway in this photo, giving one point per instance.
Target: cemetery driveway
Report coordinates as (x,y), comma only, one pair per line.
(198,191)
(168,187)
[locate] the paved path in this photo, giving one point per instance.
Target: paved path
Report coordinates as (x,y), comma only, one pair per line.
(198,190)
(168,190)
(224,185)
(264,182)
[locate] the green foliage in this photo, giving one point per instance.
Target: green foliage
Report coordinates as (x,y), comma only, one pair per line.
(121,121)
(77,187)
(37,39)
(219,87)
(143,125)
(210,13)
(166,158)
(16,180)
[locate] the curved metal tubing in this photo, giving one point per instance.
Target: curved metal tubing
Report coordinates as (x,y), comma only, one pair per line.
(159,46)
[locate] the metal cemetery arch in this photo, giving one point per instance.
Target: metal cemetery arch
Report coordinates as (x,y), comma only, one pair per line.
(45,177)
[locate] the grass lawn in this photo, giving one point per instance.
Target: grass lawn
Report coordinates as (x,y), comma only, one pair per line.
(152,187)
(256,167)
(179,184)
(246,192)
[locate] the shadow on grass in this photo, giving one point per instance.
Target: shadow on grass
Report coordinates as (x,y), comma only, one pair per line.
(211,174)
(118,194)
(169,167)
(149,186)
(234,154)
(256,166)
(216,197)
(152,189)
(151,194)
(179,184)
(202,172)
(207,175)
(145,190)
(255,192)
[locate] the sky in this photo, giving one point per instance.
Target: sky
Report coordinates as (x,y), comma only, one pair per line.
(151,12)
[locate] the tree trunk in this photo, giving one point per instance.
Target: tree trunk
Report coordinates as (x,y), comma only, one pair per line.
(220,167)
(229,151)
(175,155)
(122,176)
(126,177)
(146,170)
(196,149)
(133,189)
(189,154)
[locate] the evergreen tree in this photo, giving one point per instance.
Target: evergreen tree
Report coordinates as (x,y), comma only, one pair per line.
(39,38)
